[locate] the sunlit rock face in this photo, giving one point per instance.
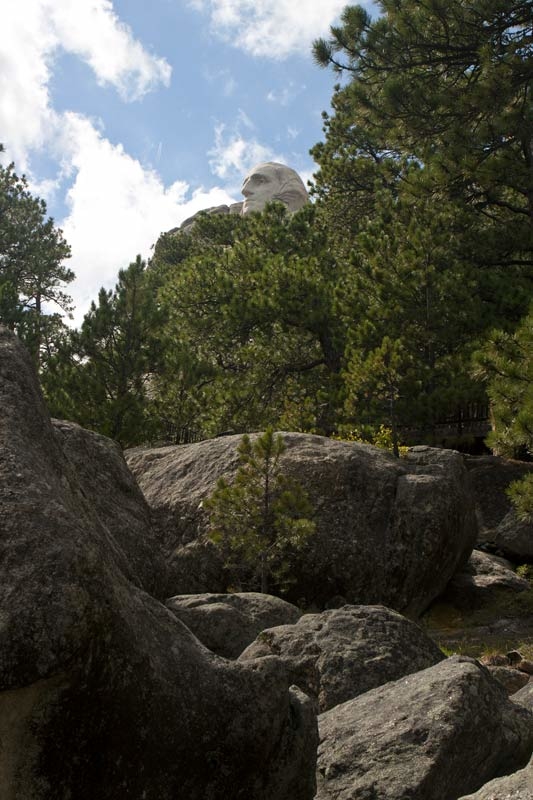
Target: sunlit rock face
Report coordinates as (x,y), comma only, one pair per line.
(272,181)
(265,182)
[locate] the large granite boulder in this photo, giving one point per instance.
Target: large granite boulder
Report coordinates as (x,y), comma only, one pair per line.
(228,623)
(481,579)
(103,692)
(518,786)
(111,491)
(498,524)
(434,735)
(388,531)
(339,654)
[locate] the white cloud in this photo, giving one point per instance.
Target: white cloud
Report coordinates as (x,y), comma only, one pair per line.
(26,44)
(93,31)
(282,97)
(118,208)
(223,78)
(233,155)
(32,33)
(285,96)
(245,120)
(271,28)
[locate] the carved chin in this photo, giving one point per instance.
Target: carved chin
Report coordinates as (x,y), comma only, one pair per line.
(253,205)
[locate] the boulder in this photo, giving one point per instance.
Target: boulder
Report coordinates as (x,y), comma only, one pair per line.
(389,531)
(525,696)
(111,491)
(514,537)
(339,654)
(228,623)
(499,526)
(103,692)
(433,735)
(480,579)
(518,786)
(511,679)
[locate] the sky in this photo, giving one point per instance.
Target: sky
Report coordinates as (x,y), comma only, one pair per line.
(128,116)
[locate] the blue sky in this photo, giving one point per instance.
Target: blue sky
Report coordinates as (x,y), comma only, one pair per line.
(128,116)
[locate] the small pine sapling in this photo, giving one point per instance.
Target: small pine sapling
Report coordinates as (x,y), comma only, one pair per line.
(262,518)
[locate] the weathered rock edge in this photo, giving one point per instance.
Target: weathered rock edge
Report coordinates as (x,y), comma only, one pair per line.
(228,623)
(518,786)
(340,654)
(105,694)
(434,735)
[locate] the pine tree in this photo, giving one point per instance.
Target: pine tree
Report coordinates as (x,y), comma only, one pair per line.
(446,85)
(506,363)
(261,519)
(256,319)
(32,273)
(101,375)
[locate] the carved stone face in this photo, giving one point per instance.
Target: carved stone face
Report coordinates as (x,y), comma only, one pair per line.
(272,181)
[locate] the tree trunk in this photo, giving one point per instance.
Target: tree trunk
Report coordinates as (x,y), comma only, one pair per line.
(264,574)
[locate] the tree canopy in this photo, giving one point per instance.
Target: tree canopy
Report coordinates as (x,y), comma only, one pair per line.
(364,308)
(100,376)
(32,272)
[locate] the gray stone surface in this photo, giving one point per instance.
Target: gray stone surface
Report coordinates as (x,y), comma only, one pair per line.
(434,735)
(264,183)
(498,524)
(525,696)
(339,654)
(228,623)
(513,537)
(480,579)
(511,679)
(111,492)
(388,531)
(518,786)
(273,181)
(103,692)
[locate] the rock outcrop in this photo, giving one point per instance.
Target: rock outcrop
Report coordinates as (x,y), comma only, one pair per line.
(388,531)
(434,735)
(518,786)
(340,654)
(499,526)
(525,696)
(103,692)
(228,623)
(110,490)
(511,679)
(480,579)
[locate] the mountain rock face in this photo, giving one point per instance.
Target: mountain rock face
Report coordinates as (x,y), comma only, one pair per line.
(228,623)
(388,531)
(104,694)
(434,735)
(340,654)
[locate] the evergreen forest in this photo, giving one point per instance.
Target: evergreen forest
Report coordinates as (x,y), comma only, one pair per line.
(399,300)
